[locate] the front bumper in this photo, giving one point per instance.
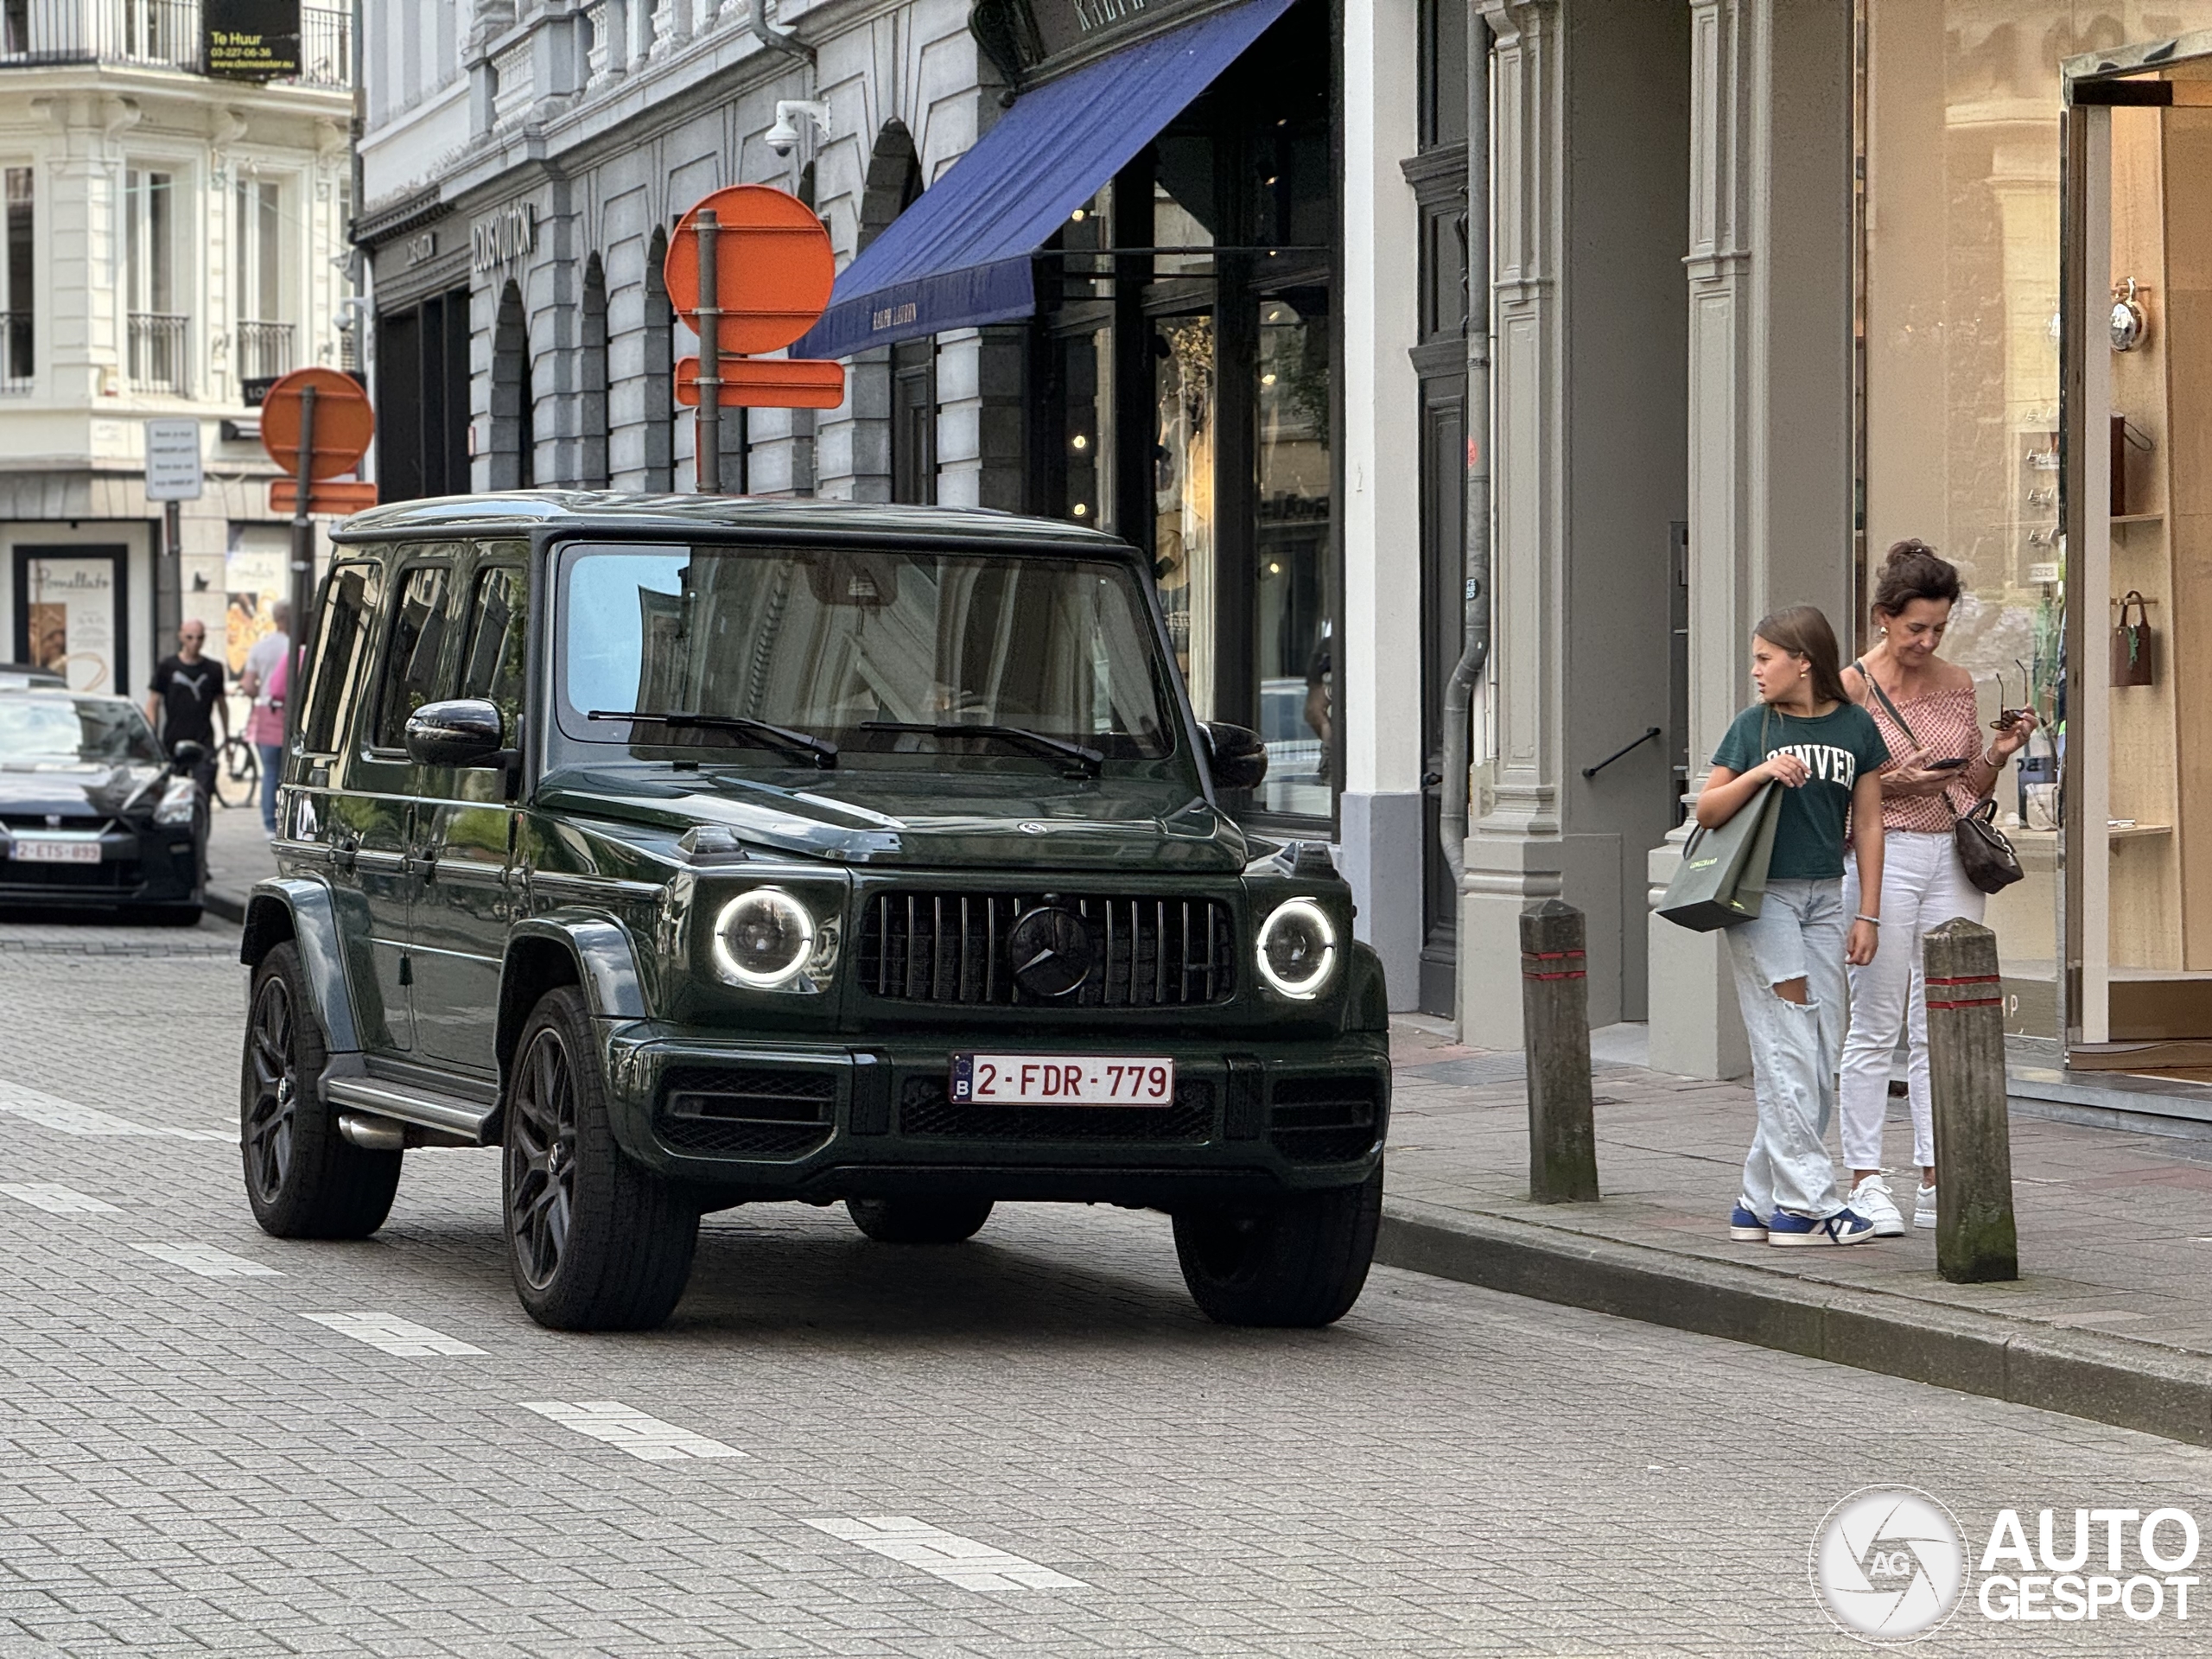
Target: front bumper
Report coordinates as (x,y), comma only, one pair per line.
(154,867)
(747,1120)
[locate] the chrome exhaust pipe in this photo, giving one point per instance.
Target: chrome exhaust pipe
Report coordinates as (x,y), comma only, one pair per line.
(375,1133)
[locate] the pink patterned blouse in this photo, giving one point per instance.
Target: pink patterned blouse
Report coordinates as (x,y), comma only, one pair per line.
(1946,724)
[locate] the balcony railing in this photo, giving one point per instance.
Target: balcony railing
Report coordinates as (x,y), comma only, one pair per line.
(157,348)
(15,350)
(158,33)
(264,350)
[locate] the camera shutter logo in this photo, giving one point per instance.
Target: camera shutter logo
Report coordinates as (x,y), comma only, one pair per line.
(1890,1564)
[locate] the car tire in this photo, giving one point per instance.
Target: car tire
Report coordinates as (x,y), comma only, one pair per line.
(594,1240)
(1299,1262)
(918,1221)
(304,1179)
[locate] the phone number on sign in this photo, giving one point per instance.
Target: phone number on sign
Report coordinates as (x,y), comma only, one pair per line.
(1057,1080)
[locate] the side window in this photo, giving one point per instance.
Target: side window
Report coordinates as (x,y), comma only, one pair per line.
(491,667)
(341,636)
(411,654)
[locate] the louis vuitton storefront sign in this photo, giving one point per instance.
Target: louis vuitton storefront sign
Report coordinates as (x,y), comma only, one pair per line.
(502,236)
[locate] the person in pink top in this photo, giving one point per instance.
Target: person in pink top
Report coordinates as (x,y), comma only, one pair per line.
(263,681)
(1924,707)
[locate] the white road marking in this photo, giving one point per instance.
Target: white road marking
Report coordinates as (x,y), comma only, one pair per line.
(630,1429)
(392,1334)
(52,1112)
(55,1199)
(207,1262)
(945,1554)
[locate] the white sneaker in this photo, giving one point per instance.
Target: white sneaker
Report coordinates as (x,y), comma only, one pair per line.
(1924,1207)
(1871,1200)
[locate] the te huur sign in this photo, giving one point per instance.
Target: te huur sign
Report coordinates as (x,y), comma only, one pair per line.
(250,40)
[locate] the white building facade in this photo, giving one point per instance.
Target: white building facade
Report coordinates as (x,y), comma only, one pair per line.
(1475,373)
(173,241)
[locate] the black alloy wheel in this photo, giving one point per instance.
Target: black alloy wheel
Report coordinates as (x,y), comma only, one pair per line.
(1301,1261)
(917,1220)
(595,1240)
(542,1158)
(303,1178)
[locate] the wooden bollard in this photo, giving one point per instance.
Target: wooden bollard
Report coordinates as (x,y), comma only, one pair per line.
(1555,1030)
(1976,1240)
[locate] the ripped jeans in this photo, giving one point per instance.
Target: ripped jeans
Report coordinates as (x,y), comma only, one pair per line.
(1795,1048)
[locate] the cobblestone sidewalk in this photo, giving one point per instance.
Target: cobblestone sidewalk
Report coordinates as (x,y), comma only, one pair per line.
(2116,1228)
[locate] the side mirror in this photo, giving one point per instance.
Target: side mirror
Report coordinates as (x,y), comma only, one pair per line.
(1235,755)
(188,755)
(465,732)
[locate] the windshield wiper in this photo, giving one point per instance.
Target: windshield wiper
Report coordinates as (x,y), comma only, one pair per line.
(802,746)
(1020,736)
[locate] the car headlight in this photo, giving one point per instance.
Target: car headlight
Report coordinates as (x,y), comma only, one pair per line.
(178,800)
(767,940)
(1297,948)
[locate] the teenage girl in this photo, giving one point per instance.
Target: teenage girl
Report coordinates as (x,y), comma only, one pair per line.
(1805,733)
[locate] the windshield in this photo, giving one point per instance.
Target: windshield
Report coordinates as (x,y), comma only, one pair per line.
(778,651)
(74,731)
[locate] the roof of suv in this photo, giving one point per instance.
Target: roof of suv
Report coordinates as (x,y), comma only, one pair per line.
(617,511)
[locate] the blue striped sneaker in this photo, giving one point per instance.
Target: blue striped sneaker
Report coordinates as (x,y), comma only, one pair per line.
(1844,1227)
(1745,1227)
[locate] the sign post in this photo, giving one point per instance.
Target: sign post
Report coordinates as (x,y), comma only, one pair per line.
(707,433)
(173,475)
(316,423)
(749,269)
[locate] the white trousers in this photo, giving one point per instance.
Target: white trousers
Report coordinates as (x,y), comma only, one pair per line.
(1924,885)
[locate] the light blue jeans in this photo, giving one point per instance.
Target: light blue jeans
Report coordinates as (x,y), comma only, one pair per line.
(272,768)
(1795,1048)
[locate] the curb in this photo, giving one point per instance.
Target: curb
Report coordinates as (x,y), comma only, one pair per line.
(2117,1380)
(230,908)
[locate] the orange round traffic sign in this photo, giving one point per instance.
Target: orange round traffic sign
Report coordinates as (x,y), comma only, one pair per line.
(773,267)
(344,422)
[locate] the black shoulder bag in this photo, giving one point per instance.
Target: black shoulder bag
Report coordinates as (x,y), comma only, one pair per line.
(1987,858)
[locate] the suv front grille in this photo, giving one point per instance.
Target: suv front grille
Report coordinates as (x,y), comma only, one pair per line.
(1324,1120)
(749,1114)
(79,821)
(925,1110)
(951,947)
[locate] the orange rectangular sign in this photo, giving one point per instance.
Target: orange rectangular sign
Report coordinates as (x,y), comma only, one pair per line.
(768,382)
(330,495)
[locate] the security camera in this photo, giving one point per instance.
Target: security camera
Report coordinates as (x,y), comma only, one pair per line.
(783,137)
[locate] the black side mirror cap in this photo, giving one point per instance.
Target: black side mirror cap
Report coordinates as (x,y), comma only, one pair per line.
(463,731)
(186,755)
(1235,755)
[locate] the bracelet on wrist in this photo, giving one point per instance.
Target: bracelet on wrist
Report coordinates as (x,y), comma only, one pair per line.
(1870,921)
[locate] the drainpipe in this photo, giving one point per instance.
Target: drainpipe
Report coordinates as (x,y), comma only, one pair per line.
(1474,624)
(776,40)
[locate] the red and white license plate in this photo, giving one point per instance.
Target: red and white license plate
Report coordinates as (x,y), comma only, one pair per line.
(1062,1080)
(32,850)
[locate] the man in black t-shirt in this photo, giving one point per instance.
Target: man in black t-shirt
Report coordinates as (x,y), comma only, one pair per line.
(185,700)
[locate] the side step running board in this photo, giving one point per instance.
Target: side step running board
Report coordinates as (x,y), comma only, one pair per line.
(463,1119)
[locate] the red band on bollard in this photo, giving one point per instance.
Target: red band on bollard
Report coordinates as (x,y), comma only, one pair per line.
(1974,1002)
(1572,973)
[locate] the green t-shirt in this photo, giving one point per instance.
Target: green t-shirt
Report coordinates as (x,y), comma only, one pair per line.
(1836,747)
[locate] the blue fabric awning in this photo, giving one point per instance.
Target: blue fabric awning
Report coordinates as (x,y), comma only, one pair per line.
(960,256)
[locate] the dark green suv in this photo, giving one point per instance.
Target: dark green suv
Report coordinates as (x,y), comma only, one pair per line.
(702,851)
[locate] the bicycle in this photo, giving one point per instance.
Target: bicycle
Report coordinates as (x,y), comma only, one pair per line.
(237,764)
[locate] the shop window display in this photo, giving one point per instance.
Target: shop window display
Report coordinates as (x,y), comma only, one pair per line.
(1960,343)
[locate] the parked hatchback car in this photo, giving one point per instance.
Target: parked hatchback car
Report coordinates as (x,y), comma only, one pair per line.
(705,851)
(92,815)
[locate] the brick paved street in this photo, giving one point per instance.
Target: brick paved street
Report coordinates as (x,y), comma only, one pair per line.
(212,1442)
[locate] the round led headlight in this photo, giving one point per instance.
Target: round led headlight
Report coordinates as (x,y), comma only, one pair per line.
(1297,948)
(764,938)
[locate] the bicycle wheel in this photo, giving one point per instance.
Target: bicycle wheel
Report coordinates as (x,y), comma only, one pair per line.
(237,767)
